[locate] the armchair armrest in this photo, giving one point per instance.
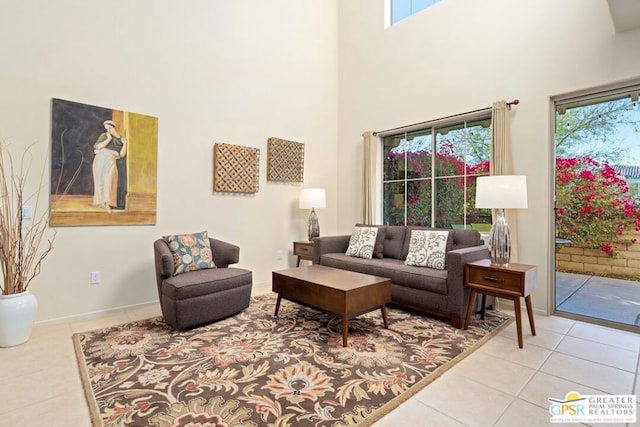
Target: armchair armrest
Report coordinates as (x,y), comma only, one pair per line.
(329,244)
(224,253)
(163,259)
(456,260)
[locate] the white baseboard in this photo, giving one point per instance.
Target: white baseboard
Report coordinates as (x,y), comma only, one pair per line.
(94,314)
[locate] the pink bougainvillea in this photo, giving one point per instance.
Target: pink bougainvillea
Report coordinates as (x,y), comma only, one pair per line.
(452,177)
(593,205)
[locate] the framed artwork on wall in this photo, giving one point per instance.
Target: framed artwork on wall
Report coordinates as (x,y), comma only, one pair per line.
(235,168)
(103,166)
(285,160)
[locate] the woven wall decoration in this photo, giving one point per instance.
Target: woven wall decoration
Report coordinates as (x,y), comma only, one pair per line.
(235,168)
(285,160)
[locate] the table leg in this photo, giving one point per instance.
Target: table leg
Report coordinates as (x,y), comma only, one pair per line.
(278,305)
(384,316)
(345,329)
(527,300)
(472,297)
(298,263)
(484,302)
(516,309)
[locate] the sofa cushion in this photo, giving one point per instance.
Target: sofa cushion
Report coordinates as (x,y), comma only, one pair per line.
(394,242)
(428,279)
(427,248)
(205,282)
(362,242)
(382,232)
(190,252)
(466,239)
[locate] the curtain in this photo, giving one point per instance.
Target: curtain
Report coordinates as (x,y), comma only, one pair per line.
(501,162)
(368,176)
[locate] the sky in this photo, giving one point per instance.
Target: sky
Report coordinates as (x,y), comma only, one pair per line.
(401,9)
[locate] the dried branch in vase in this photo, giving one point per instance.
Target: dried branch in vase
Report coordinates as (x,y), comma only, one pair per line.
(21,254)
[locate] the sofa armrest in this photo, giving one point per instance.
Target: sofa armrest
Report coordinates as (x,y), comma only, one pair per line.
(458,293)
(224,253)
(329,244)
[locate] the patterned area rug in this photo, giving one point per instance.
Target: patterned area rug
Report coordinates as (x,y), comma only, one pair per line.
(254,369)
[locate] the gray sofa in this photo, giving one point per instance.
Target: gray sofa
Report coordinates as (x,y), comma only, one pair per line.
(439,292)
(202,296)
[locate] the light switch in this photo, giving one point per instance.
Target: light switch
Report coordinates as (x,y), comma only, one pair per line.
(27,212)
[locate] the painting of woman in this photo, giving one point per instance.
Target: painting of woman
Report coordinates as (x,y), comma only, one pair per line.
(109,148)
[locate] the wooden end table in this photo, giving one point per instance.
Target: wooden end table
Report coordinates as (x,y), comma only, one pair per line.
(303,250)
(512,282)
(340,292)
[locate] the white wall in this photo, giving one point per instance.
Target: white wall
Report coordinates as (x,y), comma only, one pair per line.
(211,71)
(461,55)
(244,70)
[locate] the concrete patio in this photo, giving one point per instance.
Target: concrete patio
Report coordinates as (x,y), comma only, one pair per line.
(615,300)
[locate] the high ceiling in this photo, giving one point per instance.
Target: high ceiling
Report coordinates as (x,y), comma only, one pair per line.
(625,14)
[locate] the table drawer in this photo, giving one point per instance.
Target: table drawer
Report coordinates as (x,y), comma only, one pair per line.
(495,279)
(303,249)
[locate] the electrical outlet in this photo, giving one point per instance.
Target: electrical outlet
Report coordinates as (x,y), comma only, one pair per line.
(279,254)
(95,277)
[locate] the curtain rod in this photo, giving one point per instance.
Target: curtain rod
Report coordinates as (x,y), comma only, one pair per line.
(415,125)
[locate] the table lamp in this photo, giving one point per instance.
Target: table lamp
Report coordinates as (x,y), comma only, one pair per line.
(311,198)
(501,192)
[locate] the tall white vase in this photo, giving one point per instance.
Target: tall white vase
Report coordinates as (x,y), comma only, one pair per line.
(17,313)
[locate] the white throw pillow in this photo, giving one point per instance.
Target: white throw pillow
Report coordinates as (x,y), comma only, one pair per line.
(427,248)
(362,242)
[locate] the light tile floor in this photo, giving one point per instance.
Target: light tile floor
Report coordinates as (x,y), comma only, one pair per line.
(498,385)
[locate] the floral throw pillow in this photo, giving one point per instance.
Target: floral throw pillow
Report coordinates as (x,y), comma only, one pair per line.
(190,252)
(427,248)
(362,242)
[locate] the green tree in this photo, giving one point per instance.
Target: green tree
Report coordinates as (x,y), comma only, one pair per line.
(590,130)
(478,142)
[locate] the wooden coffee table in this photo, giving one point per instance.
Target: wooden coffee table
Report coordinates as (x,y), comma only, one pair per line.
(340,292)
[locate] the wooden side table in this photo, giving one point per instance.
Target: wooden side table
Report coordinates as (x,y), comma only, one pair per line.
(512,282)
(303,250)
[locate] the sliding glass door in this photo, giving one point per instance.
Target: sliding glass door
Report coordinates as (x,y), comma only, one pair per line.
(597,207)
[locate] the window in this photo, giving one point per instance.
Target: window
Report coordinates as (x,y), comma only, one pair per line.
(401,9)
(438,191)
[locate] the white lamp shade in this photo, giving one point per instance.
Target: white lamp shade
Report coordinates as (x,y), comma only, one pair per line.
(501,192)
(312,198)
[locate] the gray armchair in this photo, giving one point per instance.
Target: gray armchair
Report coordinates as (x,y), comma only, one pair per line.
(202,296)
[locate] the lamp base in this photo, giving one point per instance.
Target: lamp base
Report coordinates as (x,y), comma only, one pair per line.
(500,241)
(314,225)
